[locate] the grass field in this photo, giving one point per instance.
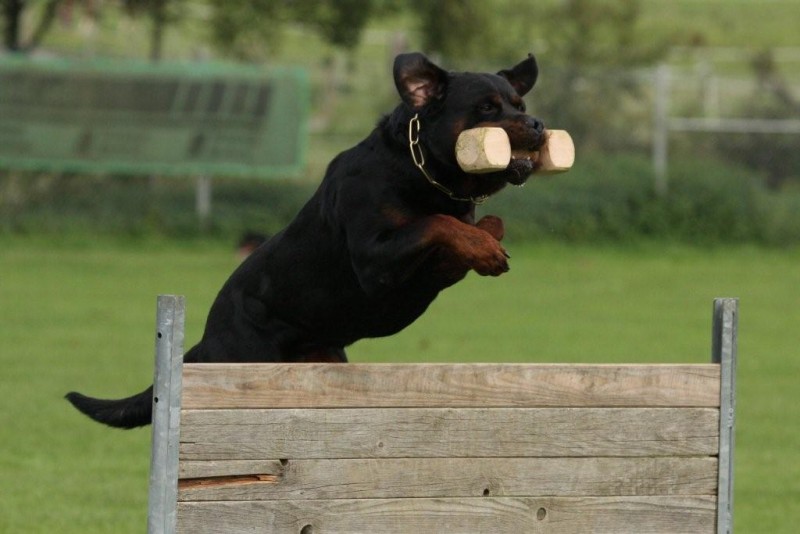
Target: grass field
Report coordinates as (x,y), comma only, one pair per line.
(80,315)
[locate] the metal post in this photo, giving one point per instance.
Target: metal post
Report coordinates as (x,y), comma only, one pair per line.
(203,200)
(163,495)
(723,352)
(661,128)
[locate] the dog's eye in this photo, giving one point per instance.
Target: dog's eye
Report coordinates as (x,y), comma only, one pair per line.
(486,108)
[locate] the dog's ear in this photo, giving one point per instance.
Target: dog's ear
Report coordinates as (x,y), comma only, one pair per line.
(418,80)
(522,76)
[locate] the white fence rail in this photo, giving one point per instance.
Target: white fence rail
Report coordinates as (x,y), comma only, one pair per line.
(664,123)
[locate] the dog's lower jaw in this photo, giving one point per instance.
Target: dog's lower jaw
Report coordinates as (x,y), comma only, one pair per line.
(486,185)
(519,170)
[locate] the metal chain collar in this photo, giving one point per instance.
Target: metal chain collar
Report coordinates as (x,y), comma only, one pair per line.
(419,160)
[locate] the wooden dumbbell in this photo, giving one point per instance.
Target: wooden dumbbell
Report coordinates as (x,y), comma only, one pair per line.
(488,149)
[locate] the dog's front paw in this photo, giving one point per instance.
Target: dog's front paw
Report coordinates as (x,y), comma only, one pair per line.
(493,225)
(467,247)
(490,259)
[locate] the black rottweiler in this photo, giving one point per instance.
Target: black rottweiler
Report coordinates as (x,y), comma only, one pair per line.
(391,225)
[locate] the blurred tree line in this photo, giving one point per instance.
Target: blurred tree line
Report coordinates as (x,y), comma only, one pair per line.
(582,31)
(580,35)
(594,53)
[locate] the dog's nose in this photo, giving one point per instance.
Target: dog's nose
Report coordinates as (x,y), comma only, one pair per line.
(536,125)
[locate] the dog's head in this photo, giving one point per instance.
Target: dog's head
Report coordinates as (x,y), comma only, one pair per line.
(449,102)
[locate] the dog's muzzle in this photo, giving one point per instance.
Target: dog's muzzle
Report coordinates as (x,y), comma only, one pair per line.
(526,135)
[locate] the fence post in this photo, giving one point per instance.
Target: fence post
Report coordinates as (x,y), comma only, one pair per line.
(723,352)
(203,201)
(170,317)
(661,81)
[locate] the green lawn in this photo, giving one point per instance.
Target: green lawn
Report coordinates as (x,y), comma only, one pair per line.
(80,315)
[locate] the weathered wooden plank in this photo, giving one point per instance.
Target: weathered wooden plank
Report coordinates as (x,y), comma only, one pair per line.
(447,432)
(445,477)
(459,385)
(489,515)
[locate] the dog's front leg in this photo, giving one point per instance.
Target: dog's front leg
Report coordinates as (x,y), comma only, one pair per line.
(474,247)
(452,266)
(393,256)
(468,247)
(493,225)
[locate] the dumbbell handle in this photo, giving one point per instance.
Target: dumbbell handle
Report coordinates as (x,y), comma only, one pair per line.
(488,149)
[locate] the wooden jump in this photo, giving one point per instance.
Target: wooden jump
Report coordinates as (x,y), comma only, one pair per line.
(441,448)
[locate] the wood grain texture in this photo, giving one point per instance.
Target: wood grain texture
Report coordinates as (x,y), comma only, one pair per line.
(558,153)
(445,477)
(481,150)
(447,432)
(489,515)
(447,385)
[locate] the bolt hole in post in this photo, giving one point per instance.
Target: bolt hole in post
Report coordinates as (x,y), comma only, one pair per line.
(308,529)
(159,335)
(486,492)
(541,514)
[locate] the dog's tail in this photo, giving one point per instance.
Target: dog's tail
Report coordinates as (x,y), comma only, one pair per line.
(132,412)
